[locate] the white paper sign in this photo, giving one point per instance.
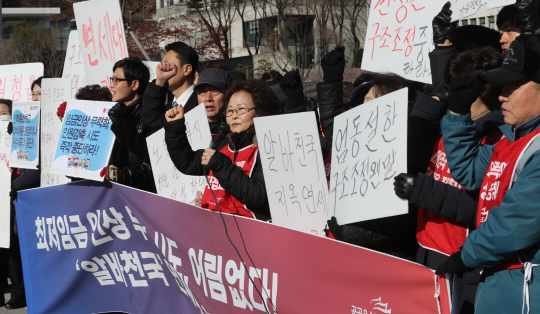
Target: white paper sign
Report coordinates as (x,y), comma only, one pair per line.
(103,41)
(294,172)
(25,136)
(5,185)
(152,67)
(86,140)
(53,93)
(73,65)
(369,149)
(470,7)
(170,182)
(16,80)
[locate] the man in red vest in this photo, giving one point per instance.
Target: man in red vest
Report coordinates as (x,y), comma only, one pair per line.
(507,240)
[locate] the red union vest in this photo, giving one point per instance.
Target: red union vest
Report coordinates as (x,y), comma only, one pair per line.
(498,180)
(435,232)
(244,159)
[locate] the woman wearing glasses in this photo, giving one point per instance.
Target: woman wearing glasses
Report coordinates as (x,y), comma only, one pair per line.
(234,169)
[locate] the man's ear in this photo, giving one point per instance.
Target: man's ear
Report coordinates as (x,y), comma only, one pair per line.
(188,69)
(135,85)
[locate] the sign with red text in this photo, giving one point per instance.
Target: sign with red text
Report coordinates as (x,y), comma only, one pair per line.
(102,38)
(16,80)
(73,65)
(5,185)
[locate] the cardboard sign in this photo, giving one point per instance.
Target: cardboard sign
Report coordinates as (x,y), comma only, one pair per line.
(25,136)
(86,140)
(294,171)
(470,7)
(73,65)
(100,26)
(5,185)
(53,93)
(369,149)
(169,181)
(152,67)
(16,80)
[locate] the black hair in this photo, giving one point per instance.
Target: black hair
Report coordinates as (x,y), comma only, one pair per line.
(272,75)
(37,82)
(389,82)
(476,37)
(94,92)
(508,13)
(7,102)
(362,78)
(263,97)
(186,54)
(134,69)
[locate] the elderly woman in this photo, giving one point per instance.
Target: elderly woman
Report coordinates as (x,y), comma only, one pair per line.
(234,169)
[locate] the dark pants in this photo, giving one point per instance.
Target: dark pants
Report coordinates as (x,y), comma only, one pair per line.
(10,264)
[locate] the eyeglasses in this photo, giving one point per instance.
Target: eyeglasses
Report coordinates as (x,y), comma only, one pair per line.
(214,92)
(115,80)
(239,111)
(36,94)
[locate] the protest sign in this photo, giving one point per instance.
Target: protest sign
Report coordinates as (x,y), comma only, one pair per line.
(369,148)
(85,141)
(108,247)
(73,64)
(5,185)
(152,65)
(53,93)
(16,80)
(25,136)
(294,171)
(470,7)
(100,26)
(169,181)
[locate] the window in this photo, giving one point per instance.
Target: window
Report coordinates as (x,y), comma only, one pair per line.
(482,21)
(464,22)
(260,32)
(491,20)
(162,3)
(472,22)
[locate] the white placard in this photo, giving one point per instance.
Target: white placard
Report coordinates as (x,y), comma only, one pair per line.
(5,185)
(170,182)
(369,149)
(470,7)
(85,141)
(294,172)
(16,80)
(103,41)
(152,65)
(53,93)
(73,65)
(25,136)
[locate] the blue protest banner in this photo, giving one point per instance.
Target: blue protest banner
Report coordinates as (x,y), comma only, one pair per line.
(25,136)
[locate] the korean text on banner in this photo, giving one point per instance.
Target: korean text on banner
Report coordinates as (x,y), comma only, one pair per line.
(470,7)
(5,185)
(73,64)
(152,65)
(138,252)
(16,80)
(86,140)
(25,136)
(169,181)
(369,148)
(294,171)
(100,26)
(53,93)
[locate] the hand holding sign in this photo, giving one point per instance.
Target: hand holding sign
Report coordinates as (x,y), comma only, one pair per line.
(175,113)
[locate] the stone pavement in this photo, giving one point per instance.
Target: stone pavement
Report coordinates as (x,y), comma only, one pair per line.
(17,311)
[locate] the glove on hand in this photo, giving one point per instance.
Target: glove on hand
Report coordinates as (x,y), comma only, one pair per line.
(292,86)
(528,16)
(337,230)
(453,265)
(404,185)
(464,90)
(117,112)
(13,194)
(442,26)
(10,128)
(441,91)
(61,110)
(333,65)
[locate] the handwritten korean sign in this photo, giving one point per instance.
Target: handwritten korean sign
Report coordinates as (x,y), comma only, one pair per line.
(53,93)
(25,136)
(73,64)
(368,150)
(101,29)
(16,80)
(5,185)
(294,172)
(86,140)
(170,182)
(470,7)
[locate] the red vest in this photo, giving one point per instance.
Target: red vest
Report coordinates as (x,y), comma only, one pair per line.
(435,232)
(498,180)
(244,159)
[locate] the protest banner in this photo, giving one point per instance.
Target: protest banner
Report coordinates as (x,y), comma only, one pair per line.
(53,93)
(369,149)
(86,140)
(108,247)
(73,64)
(25,136)
(152,65)
(5,185)
(100,26)
(470,7)
(16,80)
(294,171)
(169,181)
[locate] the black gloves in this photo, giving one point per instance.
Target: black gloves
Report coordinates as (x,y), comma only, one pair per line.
(337,230)
(453,265)
(404,185)
(464,90)
(441,91)
(528,16)
(13,194)
(117,112)
(333,65)
(442,27)
(10,127)
(292,87)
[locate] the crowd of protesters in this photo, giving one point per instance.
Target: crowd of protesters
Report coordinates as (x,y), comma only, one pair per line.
(472,151)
